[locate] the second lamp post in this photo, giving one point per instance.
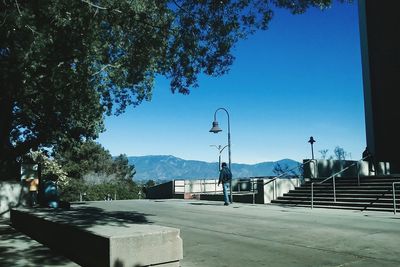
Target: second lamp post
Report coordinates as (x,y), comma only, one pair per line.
(312,141)
(215,129)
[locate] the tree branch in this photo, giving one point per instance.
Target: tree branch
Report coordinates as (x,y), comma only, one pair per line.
(32,30)
(105,67)
(93,5)
(179,6)
(19,11)
(99,7)
(5,18)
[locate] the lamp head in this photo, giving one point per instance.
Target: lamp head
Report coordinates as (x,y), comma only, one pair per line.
(215,128)
(311,141)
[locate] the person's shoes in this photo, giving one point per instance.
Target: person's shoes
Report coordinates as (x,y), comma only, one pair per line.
(226,204)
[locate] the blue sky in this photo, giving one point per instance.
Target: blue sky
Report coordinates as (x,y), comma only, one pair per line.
(300,78)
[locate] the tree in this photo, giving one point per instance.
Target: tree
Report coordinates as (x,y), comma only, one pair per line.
(150,183)
(122,169)
(340,153)
(94,173)
(323,153)
(83,158)
(64,64)
(91,159)
(284,169)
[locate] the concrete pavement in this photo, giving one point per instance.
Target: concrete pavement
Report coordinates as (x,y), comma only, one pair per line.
(256,235)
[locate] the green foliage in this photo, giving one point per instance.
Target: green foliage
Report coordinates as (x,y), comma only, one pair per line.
(150,183)
(74,189)
(79,189)
(127,190)
(64,64)
(81,158)
(122,169)
(95,173)
(146,185)
(87,157)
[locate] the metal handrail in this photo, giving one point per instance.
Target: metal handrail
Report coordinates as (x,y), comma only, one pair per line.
(203,182)
(252,180)
(334,182)
(286,172)
(394,196)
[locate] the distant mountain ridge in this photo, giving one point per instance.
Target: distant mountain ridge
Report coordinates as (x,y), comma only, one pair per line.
(167,167)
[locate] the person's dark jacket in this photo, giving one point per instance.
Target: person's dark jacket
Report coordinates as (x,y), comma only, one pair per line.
(225,175)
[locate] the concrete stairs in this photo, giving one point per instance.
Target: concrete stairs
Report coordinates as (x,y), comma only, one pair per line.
(374,193)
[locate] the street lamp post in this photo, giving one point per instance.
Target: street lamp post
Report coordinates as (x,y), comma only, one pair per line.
(220,149)
(215,129)
(312,141)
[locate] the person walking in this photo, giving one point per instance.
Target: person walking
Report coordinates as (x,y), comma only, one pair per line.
(225,176)
(367,156)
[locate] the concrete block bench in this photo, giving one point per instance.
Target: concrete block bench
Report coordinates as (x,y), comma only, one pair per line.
(101,243)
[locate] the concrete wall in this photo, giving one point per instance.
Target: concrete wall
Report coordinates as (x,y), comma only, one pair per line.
(322,168)
(278,187)
(199,186)
(12,194)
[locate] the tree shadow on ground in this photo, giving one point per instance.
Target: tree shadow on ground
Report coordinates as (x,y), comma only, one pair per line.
(87,216)
(17,249)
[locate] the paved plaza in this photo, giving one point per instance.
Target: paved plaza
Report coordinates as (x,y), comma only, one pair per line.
(239,234)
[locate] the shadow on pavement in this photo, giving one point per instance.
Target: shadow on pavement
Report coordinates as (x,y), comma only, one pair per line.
(86,216)
(17,249)
(206,204)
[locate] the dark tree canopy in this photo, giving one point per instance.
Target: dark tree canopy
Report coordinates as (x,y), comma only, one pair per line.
(65,64)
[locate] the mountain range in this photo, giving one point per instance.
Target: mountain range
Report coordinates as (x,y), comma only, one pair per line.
(166,168)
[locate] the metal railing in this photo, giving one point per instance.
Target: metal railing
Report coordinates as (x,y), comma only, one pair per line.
(394,196)
(210,186)
(204,186)
(290,170)
(357,163)
(253,189)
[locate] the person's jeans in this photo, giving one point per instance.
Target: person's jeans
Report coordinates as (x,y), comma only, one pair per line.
(33,198)
(225,188)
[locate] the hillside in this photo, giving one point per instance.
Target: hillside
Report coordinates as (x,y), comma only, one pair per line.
(169,167)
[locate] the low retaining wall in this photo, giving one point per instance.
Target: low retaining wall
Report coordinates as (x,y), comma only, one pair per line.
(277,188)
(101,244)
(323,168)
(248,198)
